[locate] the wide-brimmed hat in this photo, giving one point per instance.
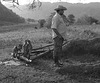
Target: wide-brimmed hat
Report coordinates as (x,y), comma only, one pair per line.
(60,7)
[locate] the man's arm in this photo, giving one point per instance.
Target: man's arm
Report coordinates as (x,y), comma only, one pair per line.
(65,19)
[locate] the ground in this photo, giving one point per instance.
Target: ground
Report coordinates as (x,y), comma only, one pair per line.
(43,70)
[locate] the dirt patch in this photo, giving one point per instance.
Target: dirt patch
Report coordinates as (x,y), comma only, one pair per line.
(38,72)
(41,71)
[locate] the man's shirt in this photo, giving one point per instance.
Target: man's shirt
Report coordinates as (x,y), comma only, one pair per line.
(58,23)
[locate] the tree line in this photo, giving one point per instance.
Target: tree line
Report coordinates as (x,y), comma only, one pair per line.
(70,19)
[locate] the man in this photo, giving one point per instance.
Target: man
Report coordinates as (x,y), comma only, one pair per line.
(58,33)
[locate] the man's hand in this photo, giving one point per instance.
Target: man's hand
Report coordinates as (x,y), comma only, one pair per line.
(60,36)
(66,40)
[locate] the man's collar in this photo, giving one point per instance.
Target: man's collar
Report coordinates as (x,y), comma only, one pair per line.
(58,14)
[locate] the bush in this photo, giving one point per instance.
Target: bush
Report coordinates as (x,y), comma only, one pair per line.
(30,20)
(80,47)
(71,18)
(87,20)
(41,22)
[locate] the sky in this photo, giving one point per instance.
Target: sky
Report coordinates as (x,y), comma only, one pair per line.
(22,2)
(70,1)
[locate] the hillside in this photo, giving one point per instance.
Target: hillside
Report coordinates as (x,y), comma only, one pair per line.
(8,16)
(77,9)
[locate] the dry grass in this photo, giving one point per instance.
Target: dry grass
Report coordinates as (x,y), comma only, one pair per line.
(14,35)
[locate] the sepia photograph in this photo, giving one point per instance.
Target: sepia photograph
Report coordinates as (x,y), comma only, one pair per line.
(49,41)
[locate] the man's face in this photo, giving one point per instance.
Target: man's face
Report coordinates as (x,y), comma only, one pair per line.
(61,12)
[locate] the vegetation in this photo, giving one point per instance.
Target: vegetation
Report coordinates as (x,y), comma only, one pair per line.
(71,19)
(30,20)
(87,20)
(79,69)
(41,22)
(81,66)
(34,4)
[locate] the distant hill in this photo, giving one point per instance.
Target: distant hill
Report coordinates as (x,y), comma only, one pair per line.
(7,16)
(78,10)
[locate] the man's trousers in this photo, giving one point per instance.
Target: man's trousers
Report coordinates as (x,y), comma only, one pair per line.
(58,43)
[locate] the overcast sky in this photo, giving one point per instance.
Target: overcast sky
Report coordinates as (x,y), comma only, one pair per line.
(71,1)
(22,2)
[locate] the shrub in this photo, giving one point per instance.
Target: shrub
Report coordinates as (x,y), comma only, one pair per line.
(71,18)
(87,20)
(41,22)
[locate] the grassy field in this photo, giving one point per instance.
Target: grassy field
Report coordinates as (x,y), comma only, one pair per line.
(13,35)
(42,71)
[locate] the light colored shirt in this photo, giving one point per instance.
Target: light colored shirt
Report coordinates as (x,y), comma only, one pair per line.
(59,24)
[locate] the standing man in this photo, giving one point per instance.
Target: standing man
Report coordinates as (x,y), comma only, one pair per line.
(58,33)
